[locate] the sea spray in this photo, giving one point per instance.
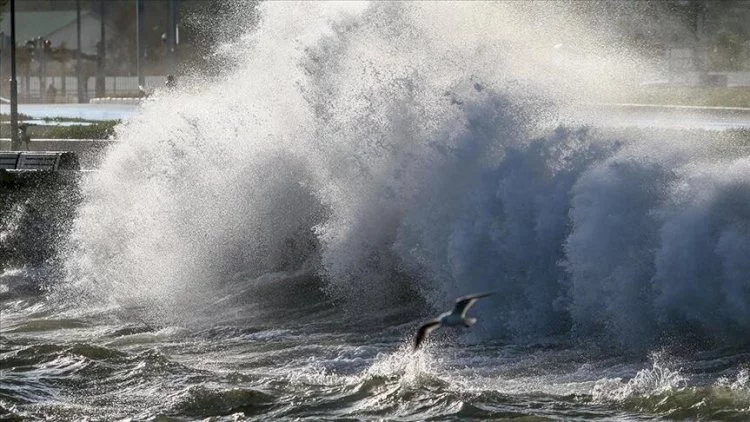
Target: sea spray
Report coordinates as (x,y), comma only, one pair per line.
(407,153)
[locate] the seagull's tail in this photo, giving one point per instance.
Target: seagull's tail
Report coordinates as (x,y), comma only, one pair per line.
(468,322)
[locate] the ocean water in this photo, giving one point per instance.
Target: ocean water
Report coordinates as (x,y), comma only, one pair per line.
(264,244)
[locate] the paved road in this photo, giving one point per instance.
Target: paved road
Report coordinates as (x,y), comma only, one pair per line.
(80,111)
(601,115)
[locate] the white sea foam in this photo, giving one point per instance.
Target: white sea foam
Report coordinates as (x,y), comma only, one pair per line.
(657,380)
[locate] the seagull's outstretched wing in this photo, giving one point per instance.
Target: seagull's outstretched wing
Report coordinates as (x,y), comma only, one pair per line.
(464,303)
(424,330)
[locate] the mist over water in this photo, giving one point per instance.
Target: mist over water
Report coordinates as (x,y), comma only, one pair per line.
(399,150)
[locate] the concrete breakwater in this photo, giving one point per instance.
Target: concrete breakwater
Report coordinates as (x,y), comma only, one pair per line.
(36,209)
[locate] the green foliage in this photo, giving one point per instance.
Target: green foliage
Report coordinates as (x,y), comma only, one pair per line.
(92,130)
(6,117)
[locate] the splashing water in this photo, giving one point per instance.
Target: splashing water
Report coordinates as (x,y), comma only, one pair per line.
(364,141)
(654,381)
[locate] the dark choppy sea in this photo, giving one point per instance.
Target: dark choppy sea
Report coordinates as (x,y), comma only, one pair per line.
(310,361)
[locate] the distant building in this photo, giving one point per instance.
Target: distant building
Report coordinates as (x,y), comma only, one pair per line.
(57,26)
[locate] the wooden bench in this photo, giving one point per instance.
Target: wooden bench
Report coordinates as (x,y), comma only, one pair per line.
(40,161)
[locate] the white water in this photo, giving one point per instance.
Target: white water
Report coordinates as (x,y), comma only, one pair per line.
(396,147)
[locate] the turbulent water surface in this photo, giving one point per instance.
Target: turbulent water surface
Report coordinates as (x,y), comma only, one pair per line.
(264,243)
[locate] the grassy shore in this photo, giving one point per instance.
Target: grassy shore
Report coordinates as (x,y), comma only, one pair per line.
(51,130)
(96,130)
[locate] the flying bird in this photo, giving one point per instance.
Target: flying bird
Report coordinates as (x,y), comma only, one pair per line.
(455,318)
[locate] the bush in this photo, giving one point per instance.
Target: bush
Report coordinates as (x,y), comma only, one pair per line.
(100,130)
(95,130)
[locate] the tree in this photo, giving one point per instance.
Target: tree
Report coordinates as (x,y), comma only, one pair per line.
(3,3)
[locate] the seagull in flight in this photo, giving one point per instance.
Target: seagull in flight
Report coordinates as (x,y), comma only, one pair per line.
(454,318)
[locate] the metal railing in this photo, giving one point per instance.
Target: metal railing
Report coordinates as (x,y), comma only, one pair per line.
(57,89)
